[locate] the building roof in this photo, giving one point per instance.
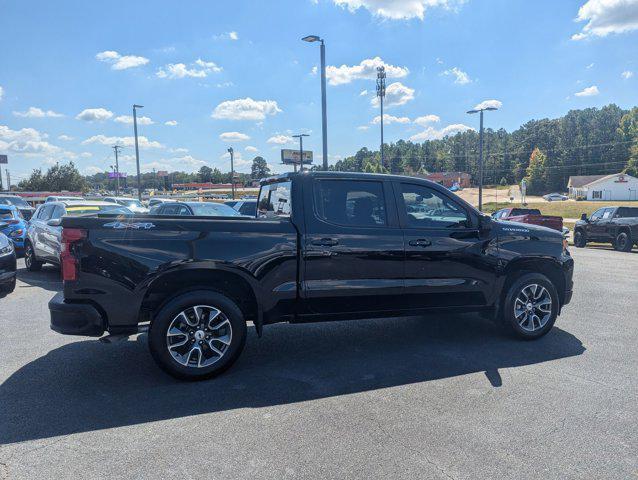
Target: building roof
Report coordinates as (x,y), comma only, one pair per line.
(577,181)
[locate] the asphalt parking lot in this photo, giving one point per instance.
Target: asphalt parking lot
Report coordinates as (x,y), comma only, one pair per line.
(448,397)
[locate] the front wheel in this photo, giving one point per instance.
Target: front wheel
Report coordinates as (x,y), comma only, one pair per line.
(8,287)
(531,306)
(623,242)
(197,335)
(579,239)
(30,260)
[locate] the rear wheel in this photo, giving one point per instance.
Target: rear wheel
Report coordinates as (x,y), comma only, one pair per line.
(30,260)
(197,335)
(531,306)
(579,239)
(623,242)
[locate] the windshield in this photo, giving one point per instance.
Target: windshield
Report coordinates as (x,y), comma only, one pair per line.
(274,200)
(213,210)
(17,201)
(130,203)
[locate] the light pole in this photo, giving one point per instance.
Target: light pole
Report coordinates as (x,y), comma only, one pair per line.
(117,148)
(381,95)
(324,114)
(137,152)
(300,137)
(480,165)
(232,170)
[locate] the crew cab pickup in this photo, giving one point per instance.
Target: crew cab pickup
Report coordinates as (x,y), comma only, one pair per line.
(615,225)
(529,215)
(323,246)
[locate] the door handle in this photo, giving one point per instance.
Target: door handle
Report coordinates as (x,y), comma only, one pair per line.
(421,242)
(325,242)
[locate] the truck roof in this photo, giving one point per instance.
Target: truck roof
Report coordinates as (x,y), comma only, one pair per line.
(353,175)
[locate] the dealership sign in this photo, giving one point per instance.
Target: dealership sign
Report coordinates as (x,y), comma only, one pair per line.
(291,157)
(117,174)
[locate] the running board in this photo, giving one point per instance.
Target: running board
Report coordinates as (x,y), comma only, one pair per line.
(116,337)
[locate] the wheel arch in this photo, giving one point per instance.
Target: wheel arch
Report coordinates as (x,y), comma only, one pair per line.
(545,266)
(229,282)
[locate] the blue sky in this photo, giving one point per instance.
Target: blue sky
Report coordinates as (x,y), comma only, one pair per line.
(212,74)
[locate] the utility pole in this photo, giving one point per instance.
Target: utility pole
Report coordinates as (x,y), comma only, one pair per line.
(232,170)
(300,137)
(324,113)
(137,152)
(6,170)
(381,95)
(117,148)
(480,109)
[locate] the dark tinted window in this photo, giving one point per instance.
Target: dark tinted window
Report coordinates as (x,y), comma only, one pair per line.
(627,212)
(525,211)
(356,203)
(597,214)
(427,208)
(248,208)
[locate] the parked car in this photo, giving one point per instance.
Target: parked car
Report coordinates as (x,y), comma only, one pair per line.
(203,209)
(245,207)
(532,216)
(615,225)
(44,234)
(7,264)
(154,201)
(15,226)
(555,197)
(326,246)
(132,204)
(25,209)
(61,198)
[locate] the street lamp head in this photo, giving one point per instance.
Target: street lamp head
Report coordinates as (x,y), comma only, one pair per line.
(473,111)
(301,135)
(230,150)
(490,108)
(138,106)
(312,38)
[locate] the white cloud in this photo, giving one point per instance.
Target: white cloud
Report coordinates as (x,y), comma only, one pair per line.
(398,9)
(363,127)
(588,92)
(280,139)
(366,69)
(86,154)
(488,104)
(395,94)
(388,119)
(314,70)
(171,123)
(227,36)
(26,141)
(143,141)
(233,35)
(627,74)
(198,69)
(35,112)
(607,16)
(460,77)
(426,120)
(234,137)
(245,109)
(128,120)
(92,170)
(363,93)
(1,93)
(66,138)
(94,114)
(591,65)
(251,149)
(121,62)
(431,133)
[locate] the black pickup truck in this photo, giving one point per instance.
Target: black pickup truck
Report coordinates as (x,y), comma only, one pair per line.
(324,246)
(615,225)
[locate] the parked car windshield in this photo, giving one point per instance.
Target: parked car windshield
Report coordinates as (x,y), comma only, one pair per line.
(17,201)
(130,203)
(213,210)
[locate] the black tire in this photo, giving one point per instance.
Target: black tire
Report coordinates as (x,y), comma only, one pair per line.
(580,240)
(8,287)
(623,242)
(508,317)
(158,341)
(30,260)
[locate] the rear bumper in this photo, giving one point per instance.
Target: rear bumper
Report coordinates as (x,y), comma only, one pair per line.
(75,318)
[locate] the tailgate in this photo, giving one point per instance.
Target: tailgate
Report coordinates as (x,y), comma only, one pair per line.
(549,221)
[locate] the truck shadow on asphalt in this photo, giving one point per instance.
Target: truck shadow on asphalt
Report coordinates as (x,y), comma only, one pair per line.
(48,278)
(86,385)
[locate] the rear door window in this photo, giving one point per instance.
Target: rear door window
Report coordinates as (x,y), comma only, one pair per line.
(352,203)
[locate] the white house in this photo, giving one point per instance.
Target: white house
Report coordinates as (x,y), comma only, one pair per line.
(618,186)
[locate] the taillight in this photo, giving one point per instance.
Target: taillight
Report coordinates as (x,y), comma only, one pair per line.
(68,261)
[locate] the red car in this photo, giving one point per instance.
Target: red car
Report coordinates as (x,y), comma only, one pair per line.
(529,215)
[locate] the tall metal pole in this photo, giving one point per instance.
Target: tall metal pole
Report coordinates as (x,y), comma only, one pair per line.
(300,153)
(137,153)
(381,94)
(116,148)
(324,113)
(480,165)
(6,170)
(232,171)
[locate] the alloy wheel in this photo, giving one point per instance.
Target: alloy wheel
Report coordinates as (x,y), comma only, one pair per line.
(199,336)
(533,307)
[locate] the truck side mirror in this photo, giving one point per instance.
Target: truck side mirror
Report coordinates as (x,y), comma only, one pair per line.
(583,217)
(485,223)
